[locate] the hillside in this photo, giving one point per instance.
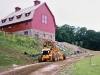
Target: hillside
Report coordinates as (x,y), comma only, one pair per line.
(13,48)
(22,50)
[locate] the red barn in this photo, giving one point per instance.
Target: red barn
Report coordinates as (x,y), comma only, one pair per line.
(37,21)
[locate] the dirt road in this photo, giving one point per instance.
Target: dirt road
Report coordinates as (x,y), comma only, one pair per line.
(53,68)
(44,68)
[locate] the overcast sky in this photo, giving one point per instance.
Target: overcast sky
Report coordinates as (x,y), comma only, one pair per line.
(82,13)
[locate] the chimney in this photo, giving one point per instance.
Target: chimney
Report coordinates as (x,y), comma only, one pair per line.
(36,2)
(17,9)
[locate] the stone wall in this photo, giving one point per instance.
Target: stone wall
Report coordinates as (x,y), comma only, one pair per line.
(37,34)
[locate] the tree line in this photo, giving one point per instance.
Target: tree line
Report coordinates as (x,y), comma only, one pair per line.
(79,36)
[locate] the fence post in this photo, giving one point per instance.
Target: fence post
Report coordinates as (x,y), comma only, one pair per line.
(90,58)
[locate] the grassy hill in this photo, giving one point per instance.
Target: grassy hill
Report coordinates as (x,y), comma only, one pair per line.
(19,50)
(12,48)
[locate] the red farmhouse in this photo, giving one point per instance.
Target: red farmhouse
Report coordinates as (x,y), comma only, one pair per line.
(37,21)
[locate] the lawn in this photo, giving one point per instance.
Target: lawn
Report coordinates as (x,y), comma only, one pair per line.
(83,67)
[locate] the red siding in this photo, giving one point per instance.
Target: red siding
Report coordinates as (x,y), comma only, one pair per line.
(37,22)
(18,26)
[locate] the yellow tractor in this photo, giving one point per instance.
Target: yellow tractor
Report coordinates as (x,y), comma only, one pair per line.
(51,52)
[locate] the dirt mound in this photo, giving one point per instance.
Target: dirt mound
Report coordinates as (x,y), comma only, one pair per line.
(73,47)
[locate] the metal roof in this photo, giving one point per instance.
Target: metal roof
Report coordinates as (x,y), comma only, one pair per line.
(21,12)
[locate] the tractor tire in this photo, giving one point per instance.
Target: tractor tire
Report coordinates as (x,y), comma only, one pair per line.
(64,56)
(54,57)
(40,58)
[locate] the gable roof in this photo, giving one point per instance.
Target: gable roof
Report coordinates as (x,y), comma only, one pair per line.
(21,13)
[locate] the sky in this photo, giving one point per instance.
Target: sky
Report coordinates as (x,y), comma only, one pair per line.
(78,13)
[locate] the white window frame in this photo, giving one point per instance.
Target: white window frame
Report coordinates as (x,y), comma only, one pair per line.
(2,29)
(9,26)
(44,19)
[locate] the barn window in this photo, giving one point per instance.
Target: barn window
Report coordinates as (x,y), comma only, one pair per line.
(26,33)
(51,36)
(3,21)
(44,19)
(2,29)
(18,16)
(27,14)
(11,18)
(43,35)
(43,16)
(9,27)
(36,36)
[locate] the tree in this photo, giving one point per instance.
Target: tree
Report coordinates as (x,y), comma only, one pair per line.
(80,36)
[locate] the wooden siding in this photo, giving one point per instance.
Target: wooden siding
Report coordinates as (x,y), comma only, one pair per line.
(37,20)
(17,27)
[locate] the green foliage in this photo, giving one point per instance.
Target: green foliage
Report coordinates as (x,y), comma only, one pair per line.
(76,43)
(73,43)
(89,39)
(81,43)
(17,39)
(83,67)
(2,34)
(14,38)
(65,33)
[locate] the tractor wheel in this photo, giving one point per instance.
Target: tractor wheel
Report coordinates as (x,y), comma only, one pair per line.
(64,56)
(54,57)
(40,58)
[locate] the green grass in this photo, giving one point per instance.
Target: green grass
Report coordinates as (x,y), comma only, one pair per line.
(83,67)
(12,48)
(19,43)
(6,60)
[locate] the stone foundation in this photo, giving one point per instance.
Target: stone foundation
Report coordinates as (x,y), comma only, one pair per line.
(37,34)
